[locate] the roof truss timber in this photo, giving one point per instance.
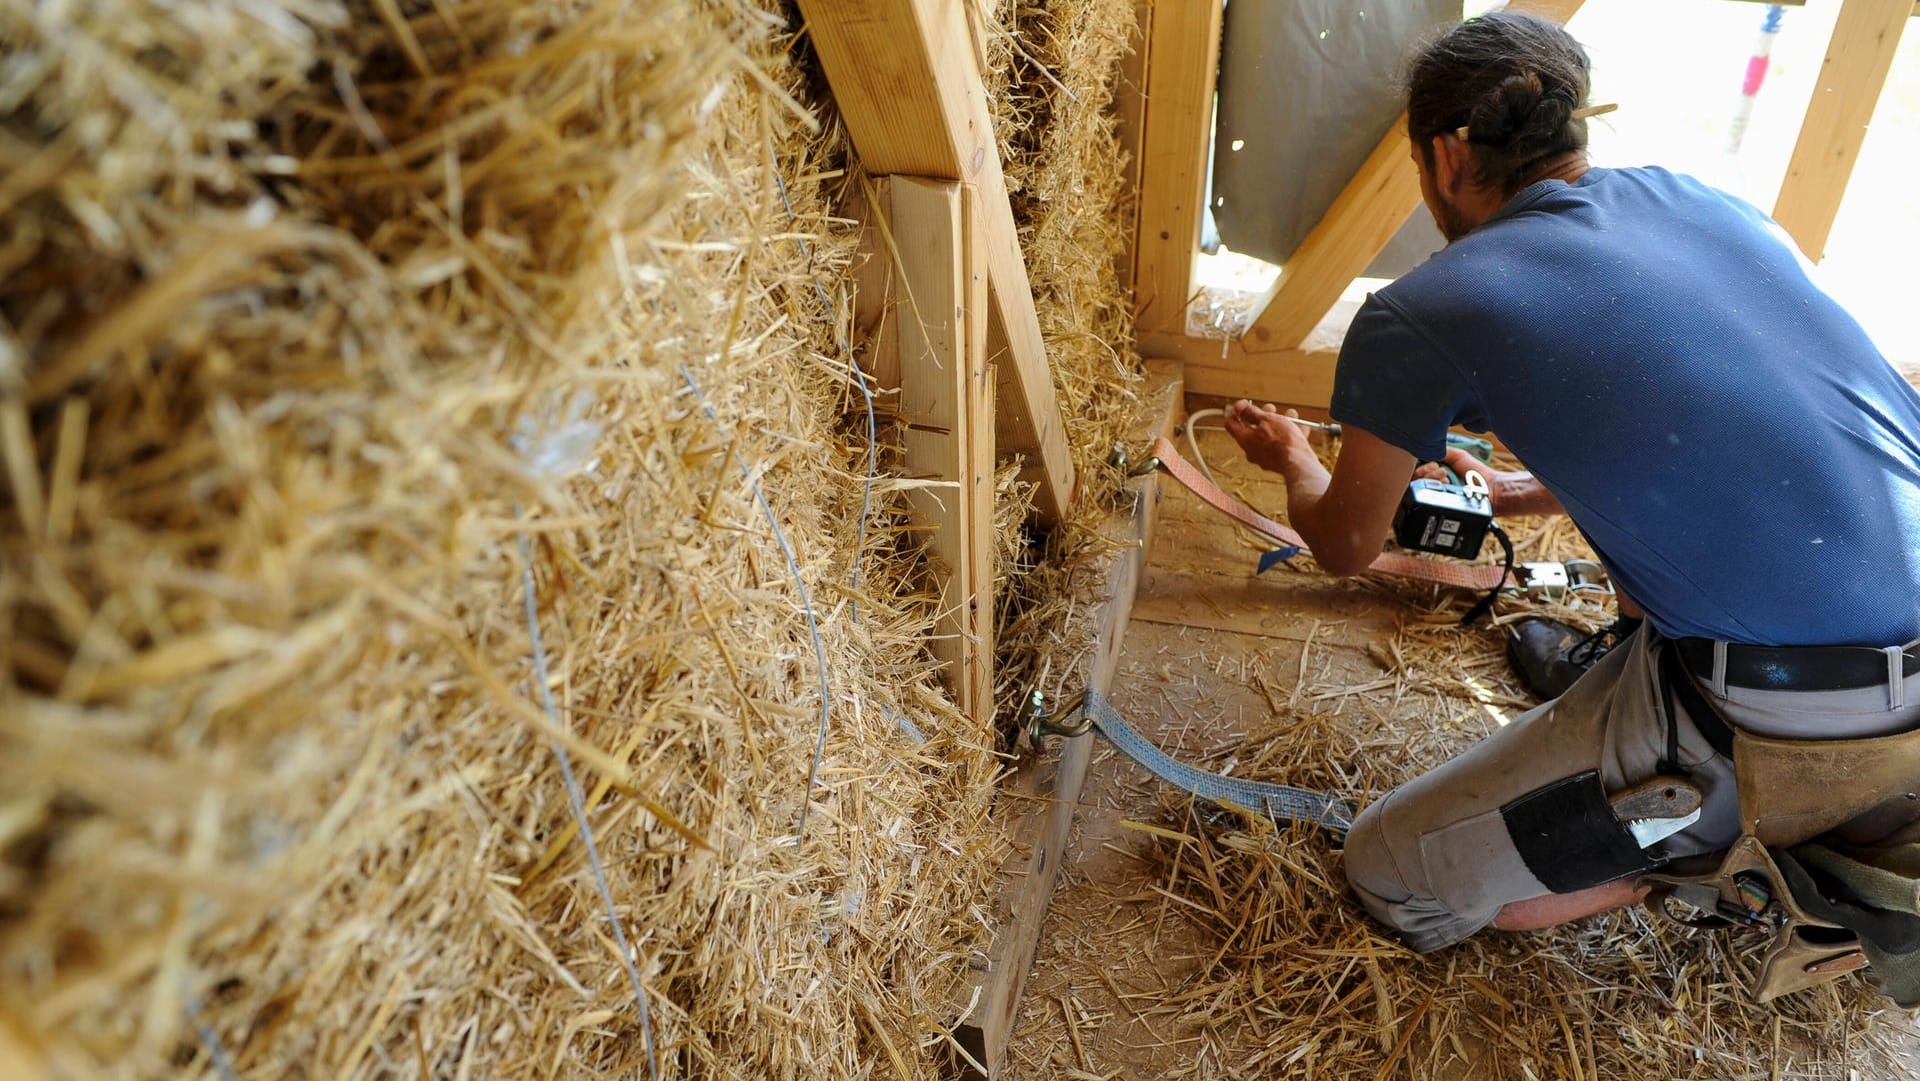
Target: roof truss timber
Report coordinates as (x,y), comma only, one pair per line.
(1859,57)
(1355,229)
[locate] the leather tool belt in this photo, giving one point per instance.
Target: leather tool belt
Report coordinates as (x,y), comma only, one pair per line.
(1790,791)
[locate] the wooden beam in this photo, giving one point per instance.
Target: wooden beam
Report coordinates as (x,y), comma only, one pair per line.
(992,998)
(1226,368)
(944,406)
(1183,62)
(1363,218)
(908,88)
(1859,56)
(1355,229)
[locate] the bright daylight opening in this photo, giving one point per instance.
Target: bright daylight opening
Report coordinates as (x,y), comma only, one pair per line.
(1678,69)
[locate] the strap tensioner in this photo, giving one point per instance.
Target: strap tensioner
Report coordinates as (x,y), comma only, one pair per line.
(1120,460)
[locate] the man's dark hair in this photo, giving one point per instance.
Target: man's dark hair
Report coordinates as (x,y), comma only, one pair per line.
(1513,81)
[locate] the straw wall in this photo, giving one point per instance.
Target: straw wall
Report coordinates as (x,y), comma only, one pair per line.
(327,325)
(1051,82)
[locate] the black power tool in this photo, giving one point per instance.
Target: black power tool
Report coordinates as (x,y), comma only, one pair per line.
(1443,518)
(1446,517)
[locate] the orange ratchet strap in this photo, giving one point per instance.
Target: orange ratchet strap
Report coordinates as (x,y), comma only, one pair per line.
(1476,576)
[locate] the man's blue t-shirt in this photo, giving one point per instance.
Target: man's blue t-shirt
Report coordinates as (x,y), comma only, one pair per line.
(1741,457)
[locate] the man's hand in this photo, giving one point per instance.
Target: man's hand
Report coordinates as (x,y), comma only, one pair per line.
(1463,463)
(1512,493)
(1343,516)
(1270,439)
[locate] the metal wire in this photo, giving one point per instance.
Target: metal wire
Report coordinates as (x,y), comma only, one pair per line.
(209,1039)
(579,803)
(806,602)
(866,392)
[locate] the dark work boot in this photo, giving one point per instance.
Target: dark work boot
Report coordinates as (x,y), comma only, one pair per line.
(1549,655)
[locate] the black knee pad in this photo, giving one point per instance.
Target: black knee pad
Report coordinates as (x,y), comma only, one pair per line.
(1568,837)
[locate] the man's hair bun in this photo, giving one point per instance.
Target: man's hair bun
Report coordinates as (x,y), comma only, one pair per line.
(1513,82)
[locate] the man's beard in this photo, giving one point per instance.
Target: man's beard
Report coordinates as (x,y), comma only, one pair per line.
(1453,225)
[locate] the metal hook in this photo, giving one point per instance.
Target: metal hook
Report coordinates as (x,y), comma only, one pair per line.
(1120,460)
(1071,720)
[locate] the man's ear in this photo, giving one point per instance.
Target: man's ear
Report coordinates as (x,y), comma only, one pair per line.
(1452,163)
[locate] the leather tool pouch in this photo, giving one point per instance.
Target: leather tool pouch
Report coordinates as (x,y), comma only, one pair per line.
(1860,791)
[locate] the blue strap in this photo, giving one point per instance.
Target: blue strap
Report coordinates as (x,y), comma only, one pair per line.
(1278,555)
(1278,802)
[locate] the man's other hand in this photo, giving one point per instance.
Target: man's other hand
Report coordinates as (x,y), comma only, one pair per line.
(1268,437)
(1342,517)
(1461,463)
(1512,493)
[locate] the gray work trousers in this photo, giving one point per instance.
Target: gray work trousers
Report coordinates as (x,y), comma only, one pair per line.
(1434,858)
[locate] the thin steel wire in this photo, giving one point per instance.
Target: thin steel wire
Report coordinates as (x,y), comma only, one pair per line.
(579,802)
(866,392)
(806,602)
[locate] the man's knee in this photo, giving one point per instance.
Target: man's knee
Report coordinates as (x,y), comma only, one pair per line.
(1370,867)
(1388,872)
(1438,869)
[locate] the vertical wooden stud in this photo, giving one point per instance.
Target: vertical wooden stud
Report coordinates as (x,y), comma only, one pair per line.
(945,416)
(1183,61)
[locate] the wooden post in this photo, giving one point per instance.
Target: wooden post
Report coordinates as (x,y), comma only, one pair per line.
(992,998)
(933,334)
(908,87)
(1859,56)
(1183,62)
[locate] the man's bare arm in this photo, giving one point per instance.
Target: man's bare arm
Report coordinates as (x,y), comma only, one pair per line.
(1343,516)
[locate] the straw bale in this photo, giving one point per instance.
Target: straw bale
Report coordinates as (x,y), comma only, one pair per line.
(1051,75)
(311,310)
